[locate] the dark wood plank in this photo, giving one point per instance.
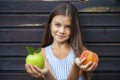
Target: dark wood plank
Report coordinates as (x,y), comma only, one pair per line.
(24,76)
(15,76)
(22,20)
(17,63)
(99,19)
(21,35)
(86,19)
(105,49)
(35,35)
(105,76)
(108,63)
(18,49)
(46,6)
(101,35)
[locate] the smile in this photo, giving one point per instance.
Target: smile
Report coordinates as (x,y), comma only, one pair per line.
(60,36)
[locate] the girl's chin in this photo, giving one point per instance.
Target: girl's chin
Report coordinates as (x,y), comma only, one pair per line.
(61,40)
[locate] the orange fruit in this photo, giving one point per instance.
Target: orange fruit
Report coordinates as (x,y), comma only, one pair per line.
(90,56)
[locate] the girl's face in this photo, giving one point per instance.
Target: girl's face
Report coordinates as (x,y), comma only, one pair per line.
(61,28)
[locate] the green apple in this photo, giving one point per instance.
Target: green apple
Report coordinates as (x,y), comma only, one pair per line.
(34,57)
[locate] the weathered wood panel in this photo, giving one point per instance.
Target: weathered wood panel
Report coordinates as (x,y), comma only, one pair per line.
(18,49)
(31,6)
(35,35)
(105,76)
(24,76)
(15,76)
(86,19)
(16,67)
(17,63)
(21,35)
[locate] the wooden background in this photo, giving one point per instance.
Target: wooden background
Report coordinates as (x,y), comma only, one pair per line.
(22,24)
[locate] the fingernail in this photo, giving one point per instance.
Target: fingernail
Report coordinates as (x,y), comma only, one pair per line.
(90,62)
(84,58)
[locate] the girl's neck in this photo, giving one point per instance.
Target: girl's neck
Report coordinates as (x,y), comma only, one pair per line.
(60,45)
(60,51)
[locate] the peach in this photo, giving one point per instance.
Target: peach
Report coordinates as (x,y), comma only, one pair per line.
(90,56)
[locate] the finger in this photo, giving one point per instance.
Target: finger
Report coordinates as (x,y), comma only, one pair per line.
(95,66)
(82,60)
(42,71)
(79,61)
(82,67)
(92,67)
(38,71)
(86,66)
(28,68)
(34,73)
(45,70)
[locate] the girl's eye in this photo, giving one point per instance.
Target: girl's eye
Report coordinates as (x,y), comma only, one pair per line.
(57,25)
(68,27)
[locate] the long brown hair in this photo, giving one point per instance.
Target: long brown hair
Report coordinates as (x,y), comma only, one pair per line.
(75,40)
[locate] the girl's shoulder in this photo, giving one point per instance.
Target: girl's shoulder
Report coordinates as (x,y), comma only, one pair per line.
(42,52)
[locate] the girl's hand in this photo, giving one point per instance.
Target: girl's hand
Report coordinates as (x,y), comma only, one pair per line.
(34,71)
(87,67)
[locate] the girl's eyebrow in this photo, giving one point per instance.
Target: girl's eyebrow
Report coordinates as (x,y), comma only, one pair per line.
(56,22)
(65,25)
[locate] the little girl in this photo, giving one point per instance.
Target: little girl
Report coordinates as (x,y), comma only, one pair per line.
(62,46)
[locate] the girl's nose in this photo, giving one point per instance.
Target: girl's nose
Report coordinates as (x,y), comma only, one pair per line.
(62,30)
